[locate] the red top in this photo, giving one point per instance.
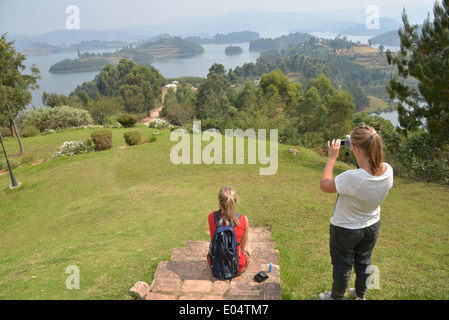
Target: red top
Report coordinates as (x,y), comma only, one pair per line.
(238,230)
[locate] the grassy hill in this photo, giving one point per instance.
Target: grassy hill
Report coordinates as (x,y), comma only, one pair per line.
(116,213)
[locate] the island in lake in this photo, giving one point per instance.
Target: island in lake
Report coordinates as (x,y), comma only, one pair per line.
(233,50)
(144,54)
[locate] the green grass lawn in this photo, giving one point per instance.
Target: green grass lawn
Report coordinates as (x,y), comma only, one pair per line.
(115,214)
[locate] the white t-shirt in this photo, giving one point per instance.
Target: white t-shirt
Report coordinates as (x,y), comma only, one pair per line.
(359,197)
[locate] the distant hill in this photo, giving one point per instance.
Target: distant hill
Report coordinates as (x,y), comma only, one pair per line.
(390,38)
(291,40)
(69,37)
(256,20)
(285,20)
(233,37)
(66,38)
(351,28)
(345,22)
(45,48)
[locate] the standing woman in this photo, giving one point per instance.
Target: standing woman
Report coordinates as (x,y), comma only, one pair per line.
(227,198)
(355,223)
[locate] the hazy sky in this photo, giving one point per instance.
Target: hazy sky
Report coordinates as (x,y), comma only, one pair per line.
(40,16)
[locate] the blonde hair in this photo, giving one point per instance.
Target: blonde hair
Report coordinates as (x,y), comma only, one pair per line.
(227,198)
(366,138)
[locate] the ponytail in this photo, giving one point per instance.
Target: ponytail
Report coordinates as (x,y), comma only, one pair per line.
(366,138)
(227,198)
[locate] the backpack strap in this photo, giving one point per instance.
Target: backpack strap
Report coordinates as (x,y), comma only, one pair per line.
(217,217)
(219,220)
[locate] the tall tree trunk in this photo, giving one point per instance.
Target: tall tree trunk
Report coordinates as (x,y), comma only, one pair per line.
(11,127)
(14,127)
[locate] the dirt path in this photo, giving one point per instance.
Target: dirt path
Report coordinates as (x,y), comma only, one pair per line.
(154,115)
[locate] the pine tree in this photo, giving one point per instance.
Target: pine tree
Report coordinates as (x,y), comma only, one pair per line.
(424,57)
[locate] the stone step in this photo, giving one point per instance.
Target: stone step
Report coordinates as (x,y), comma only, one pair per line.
(213,290)
(193,251)
(197,251)
(242,287)
(259,239)
(183,270)
(188,276)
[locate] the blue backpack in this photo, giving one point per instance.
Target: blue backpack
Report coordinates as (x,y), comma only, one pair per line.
(223,250)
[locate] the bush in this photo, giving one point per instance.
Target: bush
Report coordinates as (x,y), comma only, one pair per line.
(72,148)
(132,138)
(27,159)
(160,124)
(423,157)
(30,131)
(12,162)
(57,117)
(5,131)
(112,121)
(127,120)
(102,139)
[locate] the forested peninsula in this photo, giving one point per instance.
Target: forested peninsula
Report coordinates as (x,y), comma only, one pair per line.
(144,54)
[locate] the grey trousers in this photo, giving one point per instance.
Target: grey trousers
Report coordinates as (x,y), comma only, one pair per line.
(350,248)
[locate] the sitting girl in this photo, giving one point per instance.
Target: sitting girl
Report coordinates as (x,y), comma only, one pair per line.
(227,198)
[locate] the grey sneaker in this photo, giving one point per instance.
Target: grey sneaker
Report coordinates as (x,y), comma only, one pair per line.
(354,294)
(326,296)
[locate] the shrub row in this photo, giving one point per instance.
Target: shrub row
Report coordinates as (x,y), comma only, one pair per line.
(102,139)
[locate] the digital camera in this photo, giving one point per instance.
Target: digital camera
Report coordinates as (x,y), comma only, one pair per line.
(346,142)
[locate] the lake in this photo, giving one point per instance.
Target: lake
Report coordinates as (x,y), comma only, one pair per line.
(391,115)
(198,66)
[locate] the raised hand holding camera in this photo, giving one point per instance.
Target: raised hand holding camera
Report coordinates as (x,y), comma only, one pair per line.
(333,148)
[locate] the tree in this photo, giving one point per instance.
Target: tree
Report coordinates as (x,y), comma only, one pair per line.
(276,84)
(103,108)
(212,101)
(325,113)
(217,68)
(14,86)
(132,98)
(108,81)
(124,67)
(424,58)
(340,110)
(54,100)
(247,97)
(381,48)
(150,82)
